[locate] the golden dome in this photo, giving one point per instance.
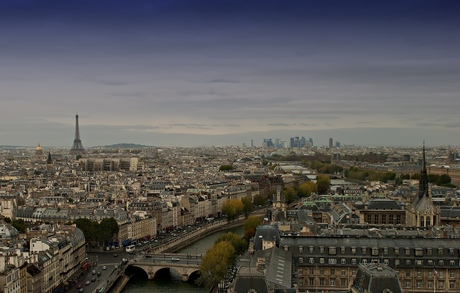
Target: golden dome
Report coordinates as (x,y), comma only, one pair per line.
(39,148)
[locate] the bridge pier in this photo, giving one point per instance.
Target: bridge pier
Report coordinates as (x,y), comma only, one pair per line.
(185,277)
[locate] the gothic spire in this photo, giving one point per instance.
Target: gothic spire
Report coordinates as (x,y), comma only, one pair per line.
(423,182)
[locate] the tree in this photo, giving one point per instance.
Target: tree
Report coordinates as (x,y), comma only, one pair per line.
(433,178)
(226,168)
(416,176)
(305,189)
(322,183)
(238,243)
(107,229)
(88,228)
(443,180)
(251,223)
(247,205)
(260,200)
(290,194)
(250,226)
(232,208)
(215,263)
(20,225)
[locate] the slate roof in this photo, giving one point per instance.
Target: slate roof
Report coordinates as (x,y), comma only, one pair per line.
(383,204)
(265,232)
(376,278)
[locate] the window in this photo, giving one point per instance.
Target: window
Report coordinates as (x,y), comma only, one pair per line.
(419,274)
(321,249)
(407,284)
(390,219)
(385,251)
(300,282)
(452,262)
(441,285)
(451,251)
(343,261)
(419,284)
(451,285)
(452,274)
(375,251)
(332,261)
(440,251)
(430,262)
(332,282)
(343,282)
(441,262)
(343,272)
(310,248)
(312,281)
(369,219)
(386,261)
(441,274)
(376,219)
(396,251)
(311,260)
(300,249)
(398,219)
(419,262)
(321,260)
(321,281)
(418,252)
(364,250)
(430,285)
(353,250)
(353,273)
(332,271)
(332,250)
(312,271)
(364,261)
(407,251)
(407,273)
(430,274)
(429,251)
(342,250)
(384,219)
(300,259)
(353,261)
(408,262)
(397,262)
(321,272)
(300,271)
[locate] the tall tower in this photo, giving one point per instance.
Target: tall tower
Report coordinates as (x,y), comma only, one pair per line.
(423,182)
(77,147)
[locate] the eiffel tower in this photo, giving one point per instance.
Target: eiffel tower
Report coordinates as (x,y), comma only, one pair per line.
(77,147)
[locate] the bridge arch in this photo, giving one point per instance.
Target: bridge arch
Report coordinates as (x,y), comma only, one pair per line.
(152,270)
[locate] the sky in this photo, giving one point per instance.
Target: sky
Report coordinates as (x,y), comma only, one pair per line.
(220,72)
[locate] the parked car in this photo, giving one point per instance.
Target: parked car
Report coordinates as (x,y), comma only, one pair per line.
(104,267)
(88,282)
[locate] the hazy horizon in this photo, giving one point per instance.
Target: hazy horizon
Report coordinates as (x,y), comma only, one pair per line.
(191,73)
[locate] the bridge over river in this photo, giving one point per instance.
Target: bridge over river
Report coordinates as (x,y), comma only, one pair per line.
(184,264)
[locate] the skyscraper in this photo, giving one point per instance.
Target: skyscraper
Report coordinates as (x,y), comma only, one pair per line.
(331,143)
(77,147)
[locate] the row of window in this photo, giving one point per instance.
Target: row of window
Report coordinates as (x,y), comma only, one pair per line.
(440,285)
(323,282)
(377,251)
(332,272)
(379,219)
(396,262)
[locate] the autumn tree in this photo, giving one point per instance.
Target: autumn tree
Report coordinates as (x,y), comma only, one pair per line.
(322,183)
(232,208)
(250,226)
(238,243)
(247,205)
(290,194)
(215,263)
(306,189)
(226,168)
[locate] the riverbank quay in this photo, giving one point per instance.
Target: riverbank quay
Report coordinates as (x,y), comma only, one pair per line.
(176,244)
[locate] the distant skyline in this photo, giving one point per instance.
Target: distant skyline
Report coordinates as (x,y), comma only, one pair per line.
(203,72)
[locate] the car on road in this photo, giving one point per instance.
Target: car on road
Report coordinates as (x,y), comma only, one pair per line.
(93,272)
(88,282)
(93,279)
(78,286)
(115,254)
(98,273)
(104,267)
(175,259)
(81,290)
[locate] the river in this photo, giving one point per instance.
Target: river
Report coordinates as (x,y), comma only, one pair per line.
(171,282)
